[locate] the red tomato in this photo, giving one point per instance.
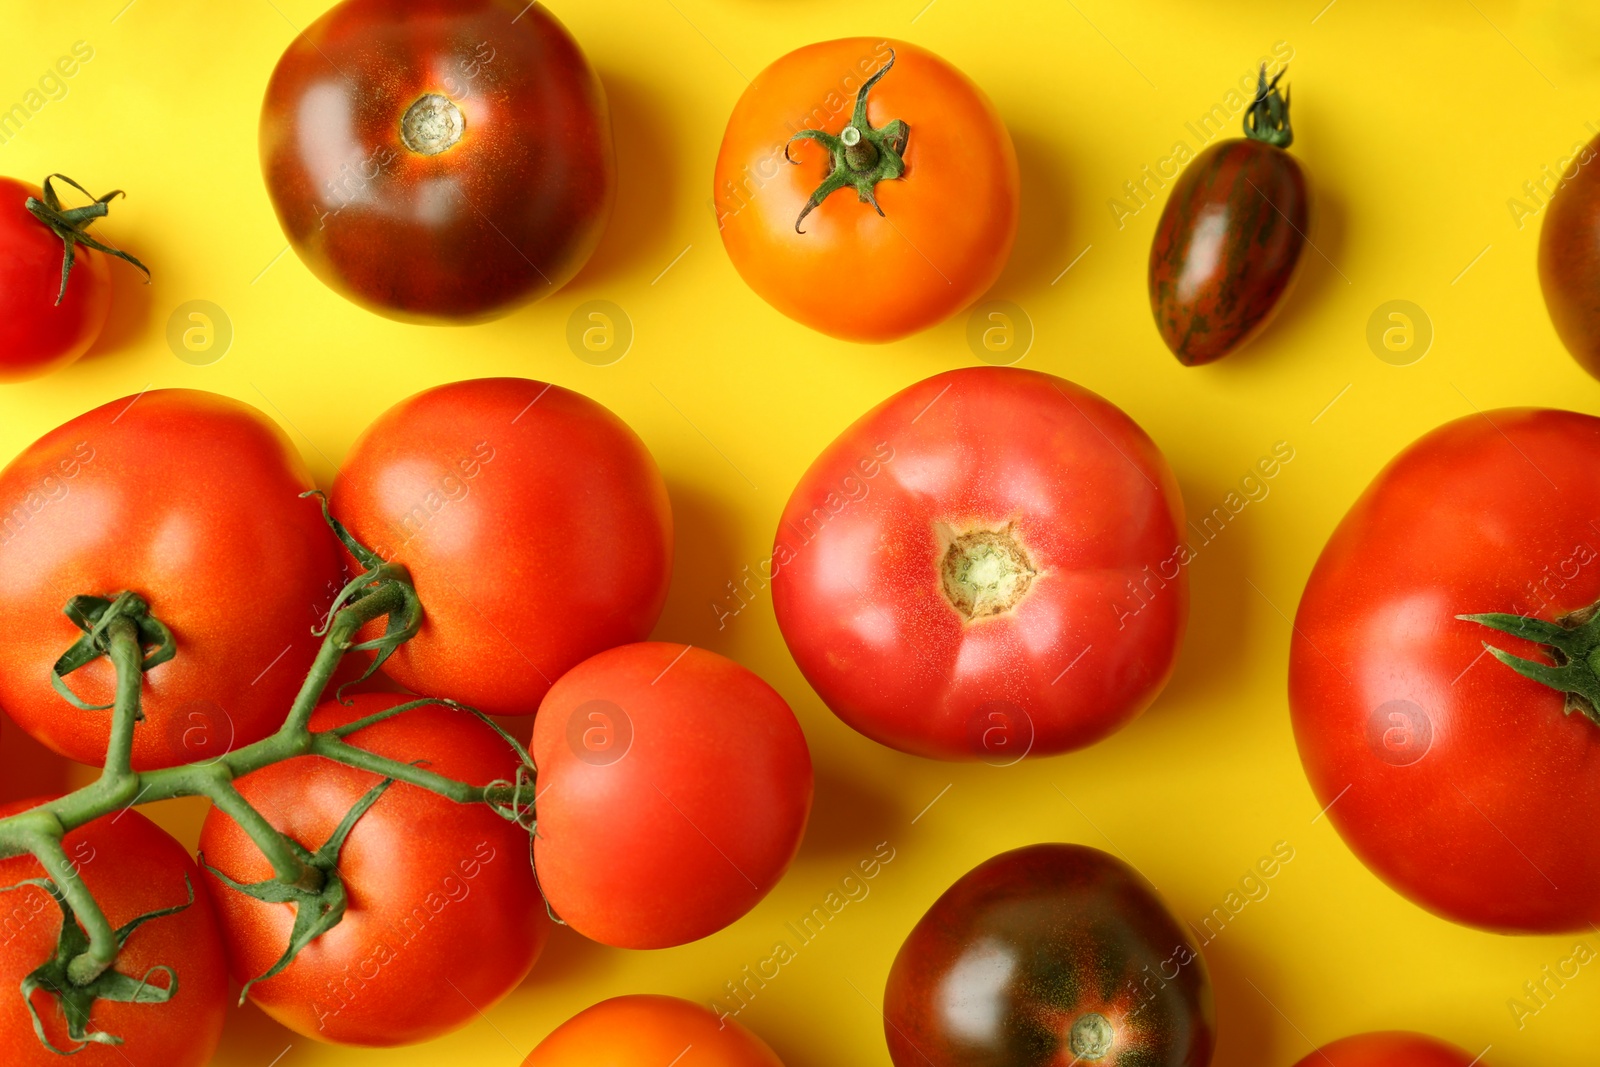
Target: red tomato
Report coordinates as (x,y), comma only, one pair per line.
(132,867)
(1450,775)
(442,897)
(674,787)
(650,1030)
(190,500)
(534,522)
(37,334)
(989,563)
(438,159)
(1394,1048)
(924,209)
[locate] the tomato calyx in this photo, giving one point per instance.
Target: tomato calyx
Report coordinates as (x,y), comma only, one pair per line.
(98,617)
(984,572)
(72,226)
(862,156)
(76,995)
(1574,644)
(1267,118)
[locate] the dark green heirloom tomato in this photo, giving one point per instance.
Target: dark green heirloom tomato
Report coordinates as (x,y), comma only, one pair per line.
(1047,956)
(1569,258)
(1229,242)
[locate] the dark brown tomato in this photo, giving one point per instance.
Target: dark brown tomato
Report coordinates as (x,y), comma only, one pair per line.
(1047,956)
(1227,248)
(1569,260)
(438,159)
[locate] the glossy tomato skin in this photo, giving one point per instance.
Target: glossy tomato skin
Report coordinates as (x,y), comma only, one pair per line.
(674,788)
(949,223)
(1227,248)
(1394,1048)
(858,581)
(440,894)
(634,1030)
(37,335)
(191,500)
(1569,260)
(1034,956)
(505,215)
(1452,777)
(132,867)
(535,525)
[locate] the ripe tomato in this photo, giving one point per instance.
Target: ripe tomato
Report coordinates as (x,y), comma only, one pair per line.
(674,787)
(953,555)
(1569,259)
(1047,955)
(1229,243)
(191,500)
(132,867)
(1394,1048)
(441,895)
(534,522)
(947,191)
(44,326)
(438,159)
(1449,774)
(638,1030)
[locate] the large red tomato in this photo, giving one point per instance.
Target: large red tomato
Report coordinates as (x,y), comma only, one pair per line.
(989,563)
(133,868)
(192,501)
(441,895)
(867,225)
(647,1031)
(1457,780)
(438,159)
(1394,1048)
(535,525)
(674,787)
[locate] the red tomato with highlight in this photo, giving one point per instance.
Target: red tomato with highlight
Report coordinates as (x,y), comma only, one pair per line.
(132,867)
(637,1031)
(438,160)
(442,896)
(192,501)
(1453,777)
(989,564)
(534,523)
(673,790)
(1394,1048)
(38,335)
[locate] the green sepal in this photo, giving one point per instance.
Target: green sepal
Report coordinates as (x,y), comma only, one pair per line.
(878,155)
(77,1001)
(94,615)
(72,226)
(1574,649)
(316,911)
(1267,118)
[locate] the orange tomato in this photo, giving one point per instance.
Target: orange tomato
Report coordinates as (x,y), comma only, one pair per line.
(932,153)
(638,1030)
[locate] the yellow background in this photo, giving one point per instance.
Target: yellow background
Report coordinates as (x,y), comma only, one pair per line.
(1417,123)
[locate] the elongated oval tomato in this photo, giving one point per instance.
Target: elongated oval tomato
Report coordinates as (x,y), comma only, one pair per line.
(1450,775)
(192,501)
(438,892)
(1044,956)
(38,335)
(534,522)
(988,564)
(948,189)
(438,160)
(1228,246)
(1394,1048)
(1569,259)
(674,787)
(133,868)
(643,1031)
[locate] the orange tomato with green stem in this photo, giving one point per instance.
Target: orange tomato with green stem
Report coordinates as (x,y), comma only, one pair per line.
(867,188)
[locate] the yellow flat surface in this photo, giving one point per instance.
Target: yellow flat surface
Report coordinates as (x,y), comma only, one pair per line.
(1417,122)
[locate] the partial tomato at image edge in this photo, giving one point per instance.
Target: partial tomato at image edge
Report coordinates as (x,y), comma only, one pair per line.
(641,1030)
(1391,1048)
